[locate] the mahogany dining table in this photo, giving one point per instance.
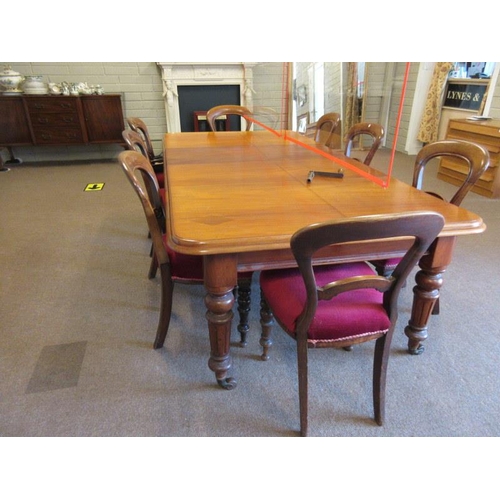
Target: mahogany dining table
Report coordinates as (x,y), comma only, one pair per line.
(236,198)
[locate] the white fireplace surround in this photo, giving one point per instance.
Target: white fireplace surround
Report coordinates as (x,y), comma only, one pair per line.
(176,74)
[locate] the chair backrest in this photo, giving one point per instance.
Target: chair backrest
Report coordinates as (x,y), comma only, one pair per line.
(422,226)
(137,125)
(325,127)
(476,157)
(140,173)
(227,109)
(135,142)
(374,130)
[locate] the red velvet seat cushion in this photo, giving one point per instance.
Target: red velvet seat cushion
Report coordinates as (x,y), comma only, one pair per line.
(161,179)
(388,264)
(189,267)
(184,267)
(349,315)
(392,263)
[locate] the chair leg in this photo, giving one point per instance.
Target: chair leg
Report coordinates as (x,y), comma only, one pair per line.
(244,298)
(267,322)
(303,387)
(167,290)
(153,267)
(380,361)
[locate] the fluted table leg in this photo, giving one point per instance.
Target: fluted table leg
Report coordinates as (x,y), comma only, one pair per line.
(429,281)
(220,279)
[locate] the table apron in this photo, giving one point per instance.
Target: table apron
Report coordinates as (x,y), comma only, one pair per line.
(352,252)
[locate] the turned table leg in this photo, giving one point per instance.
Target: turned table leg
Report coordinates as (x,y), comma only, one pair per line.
(267,322)
(220,277)
(244,299)
(425,293)
(429,281)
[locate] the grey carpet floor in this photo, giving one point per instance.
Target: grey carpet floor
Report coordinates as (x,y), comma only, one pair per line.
(78,317)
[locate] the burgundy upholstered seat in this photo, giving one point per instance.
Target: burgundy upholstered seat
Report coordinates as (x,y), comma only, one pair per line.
(348,316)
(184,268)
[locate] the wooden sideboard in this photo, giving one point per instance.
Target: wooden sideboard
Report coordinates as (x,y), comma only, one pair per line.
(35,120)
(485,133)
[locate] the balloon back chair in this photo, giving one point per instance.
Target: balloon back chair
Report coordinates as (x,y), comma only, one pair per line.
(374,130)
(174,267)
(476,159)
(226,110)
(326,127)
(139,126)
(135,142)
(343,304)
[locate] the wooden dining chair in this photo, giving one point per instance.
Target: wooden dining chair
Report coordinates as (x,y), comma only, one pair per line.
(326,127)
(139,126)
(135,142)
(476,160)
(344,304)
(374,130)
(174,267)
(227,110)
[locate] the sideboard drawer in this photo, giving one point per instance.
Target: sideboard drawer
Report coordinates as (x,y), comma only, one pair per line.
(52,105)
(58,135)
(55,119)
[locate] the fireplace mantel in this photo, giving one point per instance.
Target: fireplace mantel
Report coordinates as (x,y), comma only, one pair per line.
(176,74)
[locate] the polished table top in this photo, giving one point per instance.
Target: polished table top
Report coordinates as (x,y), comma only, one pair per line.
(236,198)
(248,191)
